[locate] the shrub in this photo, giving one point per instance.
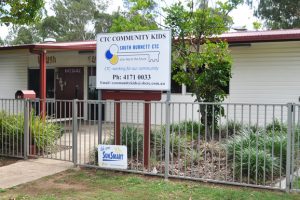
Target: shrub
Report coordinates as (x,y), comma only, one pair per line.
(180,147)
(11,131)
(236,127)
(256,147)
(44,134)
(277,136)
(133,139)
(191,128)
(277,126)
(177,144)
(249,155)
(194,156)
(279,142)
(11,125)
(232,127)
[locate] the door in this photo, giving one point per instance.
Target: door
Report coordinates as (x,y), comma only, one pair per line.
(69,83)
(69,86)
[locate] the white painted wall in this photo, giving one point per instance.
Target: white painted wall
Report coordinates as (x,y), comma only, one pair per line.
(266,73)
(13,72)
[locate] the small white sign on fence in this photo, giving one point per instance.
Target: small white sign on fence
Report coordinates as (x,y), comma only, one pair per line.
(112,156)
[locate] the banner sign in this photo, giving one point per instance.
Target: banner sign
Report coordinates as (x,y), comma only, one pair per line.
(134,60)
(112,156)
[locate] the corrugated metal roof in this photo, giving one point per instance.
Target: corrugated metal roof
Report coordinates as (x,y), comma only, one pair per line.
(262,36)
(232,37)
(76,45)
(261,33)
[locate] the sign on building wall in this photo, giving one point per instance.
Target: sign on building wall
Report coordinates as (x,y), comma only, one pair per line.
(134,60)
(112,156)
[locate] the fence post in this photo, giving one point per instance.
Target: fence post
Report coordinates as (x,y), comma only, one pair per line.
(167,146)
(100,117)
(74,131)
(290,107)
(26,129)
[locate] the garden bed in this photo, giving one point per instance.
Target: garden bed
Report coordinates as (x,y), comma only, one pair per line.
(234,153)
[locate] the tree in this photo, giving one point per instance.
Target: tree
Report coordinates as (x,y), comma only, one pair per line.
(22,35)
(75,18)
(201,61)
(104,21)
(201,64)
(20,12)
(257,25)
(27,35)
(139,17)
(48,28)
(278,14)
(1,42)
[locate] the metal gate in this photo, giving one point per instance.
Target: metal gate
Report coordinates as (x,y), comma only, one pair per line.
(51,134)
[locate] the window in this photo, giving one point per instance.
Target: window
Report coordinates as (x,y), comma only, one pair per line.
(93,95)
(92,91)
(34,82)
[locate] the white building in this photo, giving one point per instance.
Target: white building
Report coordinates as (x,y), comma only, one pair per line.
(266,69)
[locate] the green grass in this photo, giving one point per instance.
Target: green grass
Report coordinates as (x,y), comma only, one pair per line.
(98,184)
(2,190)
(296,184)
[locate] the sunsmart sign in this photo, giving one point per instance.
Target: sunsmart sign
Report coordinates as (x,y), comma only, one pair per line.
(112,156)
(134,60)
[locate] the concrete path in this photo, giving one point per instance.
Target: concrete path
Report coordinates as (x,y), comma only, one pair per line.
(29,170)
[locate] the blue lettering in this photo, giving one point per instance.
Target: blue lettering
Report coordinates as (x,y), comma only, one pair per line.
(143,46)
(125,47)
(155,46)
(112,156)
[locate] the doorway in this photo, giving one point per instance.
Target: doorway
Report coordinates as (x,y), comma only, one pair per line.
(69,83)
(68,86)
